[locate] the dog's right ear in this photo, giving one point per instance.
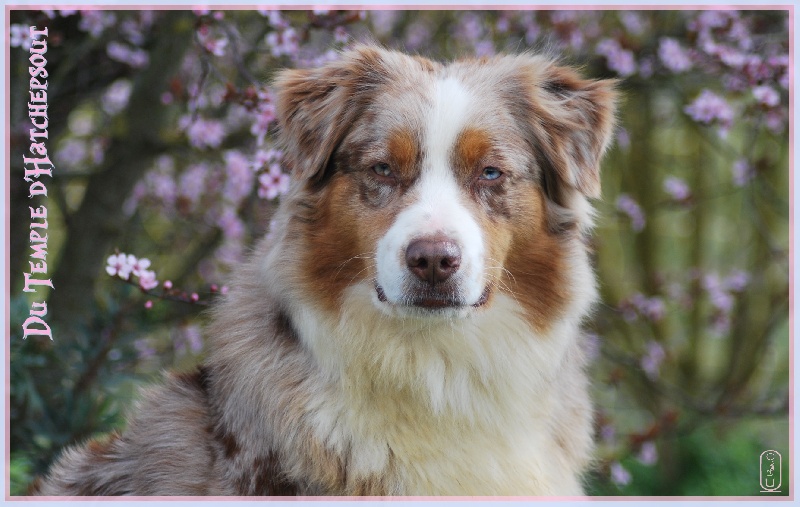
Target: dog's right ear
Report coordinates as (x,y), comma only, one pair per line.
(316,107)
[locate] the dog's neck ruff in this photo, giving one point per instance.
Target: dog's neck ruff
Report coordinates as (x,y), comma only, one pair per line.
(402,391)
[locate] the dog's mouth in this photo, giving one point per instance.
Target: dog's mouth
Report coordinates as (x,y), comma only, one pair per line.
(430,300)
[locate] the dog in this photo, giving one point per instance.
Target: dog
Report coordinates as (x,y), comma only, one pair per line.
(412,326)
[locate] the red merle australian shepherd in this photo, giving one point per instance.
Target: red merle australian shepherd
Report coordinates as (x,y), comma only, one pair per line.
(412,327)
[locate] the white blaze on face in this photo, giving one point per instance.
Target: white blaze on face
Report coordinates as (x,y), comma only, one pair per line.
(438,208)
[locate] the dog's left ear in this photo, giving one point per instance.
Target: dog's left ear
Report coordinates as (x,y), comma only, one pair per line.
(316,107)
(573,120)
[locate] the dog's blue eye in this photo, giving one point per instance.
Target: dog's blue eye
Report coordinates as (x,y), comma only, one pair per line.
(491,173)
(382,169)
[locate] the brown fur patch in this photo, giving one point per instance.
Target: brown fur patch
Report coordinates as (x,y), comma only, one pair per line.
(265,478)
(331,256)
(228,441)
(471,151)
(403,147)
(536,264)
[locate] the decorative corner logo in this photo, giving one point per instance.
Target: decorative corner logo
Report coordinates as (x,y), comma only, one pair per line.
(770,472)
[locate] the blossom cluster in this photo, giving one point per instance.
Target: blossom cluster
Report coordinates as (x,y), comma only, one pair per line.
(721,294)
(124,266)
(628,206)
(640,305)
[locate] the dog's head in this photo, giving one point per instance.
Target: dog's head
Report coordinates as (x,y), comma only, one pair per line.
(440,186)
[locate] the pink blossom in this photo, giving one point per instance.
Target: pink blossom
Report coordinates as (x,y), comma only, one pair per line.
(627,205)
(677,188)
(634,22)
(652,359)
(162,185)
(273,183)
(118,265)
(285,42)
(708,108)
(275,18)
(72,153)
(563,17)
(650,308)
(776,120)
(608,433)
(96,22)
(653,308)
(673,56)
(767,95)
(204,133)
(20,37)
(265,157)
(730,56)
(214,46)
(132,31)
(484,48)
(136,58)
(740,33)
(743,172)
(231,225)
(340,35)
(623,138)
(264,118)
(503,25)
(147,280)
(710,19)
(239,177)
(618,59)
(718,294)
(97,150)
(116,97)
(140,266)
(784,81)
(619,475)
(648,454)
(736,281)
(193,181)
(168,284)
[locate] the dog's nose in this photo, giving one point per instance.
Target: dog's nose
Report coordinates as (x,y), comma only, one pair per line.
(433,260)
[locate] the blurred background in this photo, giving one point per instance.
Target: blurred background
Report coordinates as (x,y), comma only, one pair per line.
(161,130)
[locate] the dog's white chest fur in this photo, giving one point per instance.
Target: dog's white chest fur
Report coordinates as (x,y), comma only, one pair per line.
(456,408)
